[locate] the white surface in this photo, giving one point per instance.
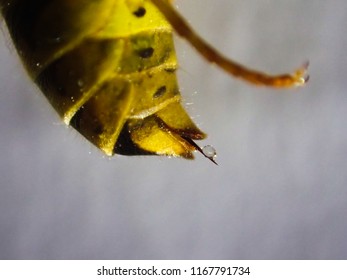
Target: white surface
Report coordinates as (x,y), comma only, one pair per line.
(279,192)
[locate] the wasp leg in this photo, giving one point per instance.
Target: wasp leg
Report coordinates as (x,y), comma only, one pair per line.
(297,78)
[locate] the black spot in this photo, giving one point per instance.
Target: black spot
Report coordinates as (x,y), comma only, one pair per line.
(140,12)
(160,91)
(146,53)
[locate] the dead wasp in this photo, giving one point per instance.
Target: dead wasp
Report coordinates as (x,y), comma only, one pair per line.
(108,68)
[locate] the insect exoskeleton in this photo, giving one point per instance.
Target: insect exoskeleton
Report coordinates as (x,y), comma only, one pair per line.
(108,67)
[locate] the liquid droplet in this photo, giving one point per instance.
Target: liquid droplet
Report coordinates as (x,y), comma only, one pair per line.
(209,152)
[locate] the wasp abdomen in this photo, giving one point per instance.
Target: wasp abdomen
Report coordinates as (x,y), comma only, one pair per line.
(108,68)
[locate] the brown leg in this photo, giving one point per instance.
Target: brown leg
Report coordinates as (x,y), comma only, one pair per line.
(298,78)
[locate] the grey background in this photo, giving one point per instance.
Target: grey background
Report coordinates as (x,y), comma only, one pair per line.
(279,192)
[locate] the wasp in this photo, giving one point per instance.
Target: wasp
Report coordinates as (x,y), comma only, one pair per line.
(108,68)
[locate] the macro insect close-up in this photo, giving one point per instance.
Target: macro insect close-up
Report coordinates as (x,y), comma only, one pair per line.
(113,76)
(135,77)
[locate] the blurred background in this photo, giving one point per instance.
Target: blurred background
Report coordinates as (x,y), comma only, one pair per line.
(279,192)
